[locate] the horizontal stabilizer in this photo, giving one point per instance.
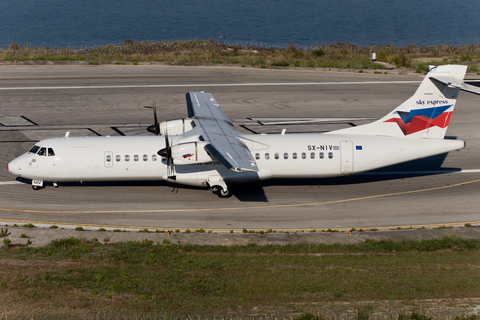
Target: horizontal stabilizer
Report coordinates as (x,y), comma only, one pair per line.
(456,83)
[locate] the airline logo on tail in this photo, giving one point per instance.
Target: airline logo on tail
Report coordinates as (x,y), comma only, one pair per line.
(419,119)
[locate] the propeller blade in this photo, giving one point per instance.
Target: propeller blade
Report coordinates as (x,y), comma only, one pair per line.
(154,128)
(167,153)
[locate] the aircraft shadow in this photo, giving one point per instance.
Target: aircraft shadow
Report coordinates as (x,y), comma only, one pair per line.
(420,167)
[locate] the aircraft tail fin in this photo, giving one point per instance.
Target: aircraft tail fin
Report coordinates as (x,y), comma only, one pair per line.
(428,112)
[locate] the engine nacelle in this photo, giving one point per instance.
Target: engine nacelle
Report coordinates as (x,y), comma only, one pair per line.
(174,127)
(191,152)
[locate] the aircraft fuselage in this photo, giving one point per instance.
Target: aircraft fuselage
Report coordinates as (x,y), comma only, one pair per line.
(135,158)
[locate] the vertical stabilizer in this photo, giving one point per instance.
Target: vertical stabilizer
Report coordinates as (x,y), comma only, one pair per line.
(426,114)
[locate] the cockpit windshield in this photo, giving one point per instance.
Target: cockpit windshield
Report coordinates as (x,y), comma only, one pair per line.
(34,149)
(42,151)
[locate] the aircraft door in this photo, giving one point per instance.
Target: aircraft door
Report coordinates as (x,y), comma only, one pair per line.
(346,156)
(81,162)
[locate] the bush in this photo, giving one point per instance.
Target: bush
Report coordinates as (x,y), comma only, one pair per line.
(318,52)
(68,242)
(4,233)
(308,316)
(421,67)
(280,64)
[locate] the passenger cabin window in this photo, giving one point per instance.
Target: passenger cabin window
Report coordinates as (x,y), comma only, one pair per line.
(312,155)
(135,157)
(51,153)
(118,158)
(267,156)
(145,157)
(294,155)
(330,155)
(154,157)
(34,149)
(321,155)
(285,155)
(304,155)
(42,152)
(127,158)
(277,155)
(109,158)
(257,156)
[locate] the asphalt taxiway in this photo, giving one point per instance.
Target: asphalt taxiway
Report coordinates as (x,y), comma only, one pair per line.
(89,100)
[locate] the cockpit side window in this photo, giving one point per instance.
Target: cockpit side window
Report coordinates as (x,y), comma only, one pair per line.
(42,151)
(34,149)
(51,153)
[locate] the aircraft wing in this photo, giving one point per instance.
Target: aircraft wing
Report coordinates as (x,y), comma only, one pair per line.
(219,132)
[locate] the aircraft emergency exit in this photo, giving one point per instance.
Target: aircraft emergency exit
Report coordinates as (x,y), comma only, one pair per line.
(206,150)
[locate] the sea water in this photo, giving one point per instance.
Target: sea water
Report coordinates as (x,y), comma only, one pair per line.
(307,23)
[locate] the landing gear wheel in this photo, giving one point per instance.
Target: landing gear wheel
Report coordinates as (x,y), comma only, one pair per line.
(36,187)
(222,193)
(215,189)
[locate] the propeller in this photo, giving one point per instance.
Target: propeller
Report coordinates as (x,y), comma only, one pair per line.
(167,153)
(154,128)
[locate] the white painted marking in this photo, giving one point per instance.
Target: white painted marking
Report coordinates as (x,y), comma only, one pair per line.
(10,182)
(207,85)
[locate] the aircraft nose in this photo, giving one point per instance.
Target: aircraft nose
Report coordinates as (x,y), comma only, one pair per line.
(14,167)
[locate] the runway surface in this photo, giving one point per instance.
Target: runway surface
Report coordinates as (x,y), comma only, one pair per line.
(88,100)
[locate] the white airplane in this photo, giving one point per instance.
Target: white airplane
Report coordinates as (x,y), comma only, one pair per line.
(205,150)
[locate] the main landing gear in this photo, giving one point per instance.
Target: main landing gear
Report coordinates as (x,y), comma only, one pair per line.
(222,191)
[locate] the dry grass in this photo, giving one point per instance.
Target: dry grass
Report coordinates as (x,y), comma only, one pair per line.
(336,55)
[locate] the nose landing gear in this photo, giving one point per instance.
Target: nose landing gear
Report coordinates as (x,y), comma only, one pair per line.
(37,184)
